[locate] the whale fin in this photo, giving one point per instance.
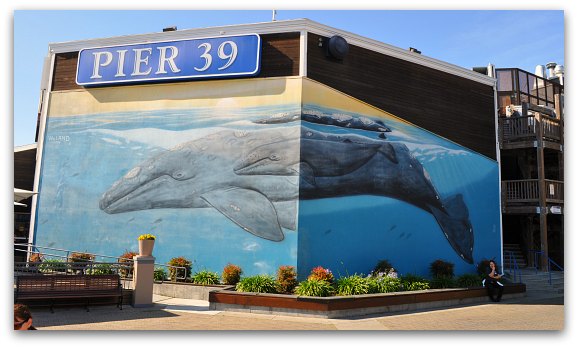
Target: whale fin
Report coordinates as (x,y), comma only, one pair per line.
(456,226)
(389,152)
(258,218)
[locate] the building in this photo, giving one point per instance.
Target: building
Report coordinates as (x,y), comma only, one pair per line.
(268,144)
(531,129)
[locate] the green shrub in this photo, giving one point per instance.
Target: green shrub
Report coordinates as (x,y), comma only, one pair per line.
(320,273)
(184,270)
(412,282)
(102,269)
(352,285)
(469,280)
(441,268)
(205,278)
(382,267)
(52,265)
(416,286)
(264,284)
(159,274)
(483,267)
(383,284)
(231,274)
(314,287)
(442,282)
(286,279)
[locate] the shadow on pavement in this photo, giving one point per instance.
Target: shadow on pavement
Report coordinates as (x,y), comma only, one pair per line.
(78,315)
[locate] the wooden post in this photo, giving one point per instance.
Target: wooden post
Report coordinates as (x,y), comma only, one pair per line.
(542,193)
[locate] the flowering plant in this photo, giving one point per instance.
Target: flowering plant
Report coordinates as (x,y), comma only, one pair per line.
(231,274)
(147,236)
(320,273)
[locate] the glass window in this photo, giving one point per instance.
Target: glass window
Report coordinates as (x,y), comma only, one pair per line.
(533,85)
(504,80)
(523,82)
(550,91)
(524,98)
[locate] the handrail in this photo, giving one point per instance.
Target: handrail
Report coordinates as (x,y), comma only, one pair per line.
(550,262)
(29,247)
(517,272)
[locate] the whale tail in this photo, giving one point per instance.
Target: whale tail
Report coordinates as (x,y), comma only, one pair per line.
(455,223)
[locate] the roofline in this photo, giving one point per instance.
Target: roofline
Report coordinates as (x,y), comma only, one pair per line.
(25,147)
(293,25)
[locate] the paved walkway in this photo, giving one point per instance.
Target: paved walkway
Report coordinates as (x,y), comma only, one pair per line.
(183,314)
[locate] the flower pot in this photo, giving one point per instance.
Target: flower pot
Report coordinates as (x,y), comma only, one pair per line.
(145,247)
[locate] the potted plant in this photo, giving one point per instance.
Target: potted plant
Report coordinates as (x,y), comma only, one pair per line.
(79,261)
(146,243)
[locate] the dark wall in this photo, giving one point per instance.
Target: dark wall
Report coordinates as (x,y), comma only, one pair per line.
(280,58)
(456,108)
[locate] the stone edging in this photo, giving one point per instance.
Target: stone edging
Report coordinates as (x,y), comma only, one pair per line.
(348,306)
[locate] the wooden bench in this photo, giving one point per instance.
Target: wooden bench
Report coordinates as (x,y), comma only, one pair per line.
(58,286)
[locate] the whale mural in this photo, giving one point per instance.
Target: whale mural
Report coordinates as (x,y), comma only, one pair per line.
(200,174)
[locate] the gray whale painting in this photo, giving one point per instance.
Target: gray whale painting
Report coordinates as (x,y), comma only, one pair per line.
(248,175)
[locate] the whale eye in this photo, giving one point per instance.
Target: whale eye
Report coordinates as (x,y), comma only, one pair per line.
(178,175)
(274,157)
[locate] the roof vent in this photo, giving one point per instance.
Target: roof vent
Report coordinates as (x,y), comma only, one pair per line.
(414,50)
(173,28)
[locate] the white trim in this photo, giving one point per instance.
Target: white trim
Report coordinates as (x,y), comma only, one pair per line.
(303,54)
(295,25)
(47,82)
(499,160)
(25,147)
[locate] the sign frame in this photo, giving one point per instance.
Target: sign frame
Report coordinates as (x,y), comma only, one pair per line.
(153,79)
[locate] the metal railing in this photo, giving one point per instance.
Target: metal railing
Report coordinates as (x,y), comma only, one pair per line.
(549,266)
(517,191)
(525,127)
(57,260)
(513,266)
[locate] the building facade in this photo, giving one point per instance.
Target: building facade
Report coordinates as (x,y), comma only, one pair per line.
(531,128)
(282,143)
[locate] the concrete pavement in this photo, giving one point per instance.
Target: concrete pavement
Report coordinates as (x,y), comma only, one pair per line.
(184,314)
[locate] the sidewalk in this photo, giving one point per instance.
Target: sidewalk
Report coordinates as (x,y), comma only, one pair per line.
(184,314)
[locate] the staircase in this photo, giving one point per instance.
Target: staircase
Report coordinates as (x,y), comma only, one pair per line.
(537,283)
(518,256)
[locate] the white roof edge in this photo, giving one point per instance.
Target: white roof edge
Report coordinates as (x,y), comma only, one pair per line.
(25,147)
(295,25)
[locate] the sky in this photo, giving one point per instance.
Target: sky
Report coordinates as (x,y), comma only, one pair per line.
(467,38)
(506,34)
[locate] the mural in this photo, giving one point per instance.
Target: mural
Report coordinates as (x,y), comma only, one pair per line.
(327,181)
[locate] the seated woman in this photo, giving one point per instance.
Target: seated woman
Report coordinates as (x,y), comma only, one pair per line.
(492,284)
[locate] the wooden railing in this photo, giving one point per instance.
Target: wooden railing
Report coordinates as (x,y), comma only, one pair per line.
(520,191)
(525,127)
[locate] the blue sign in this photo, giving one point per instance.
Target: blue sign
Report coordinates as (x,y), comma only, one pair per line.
(218,57)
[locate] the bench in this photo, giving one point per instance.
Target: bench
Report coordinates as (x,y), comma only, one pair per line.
(60,286)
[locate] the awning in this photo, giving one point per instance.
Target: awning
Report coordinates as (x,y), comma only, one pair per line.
(20,195)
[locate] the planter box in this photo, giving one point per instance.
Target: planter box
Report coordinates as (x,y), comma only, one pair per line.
(348,306)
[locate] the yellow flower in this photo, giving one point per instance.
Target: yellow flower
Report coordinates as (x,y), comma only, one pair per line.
(146,236)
